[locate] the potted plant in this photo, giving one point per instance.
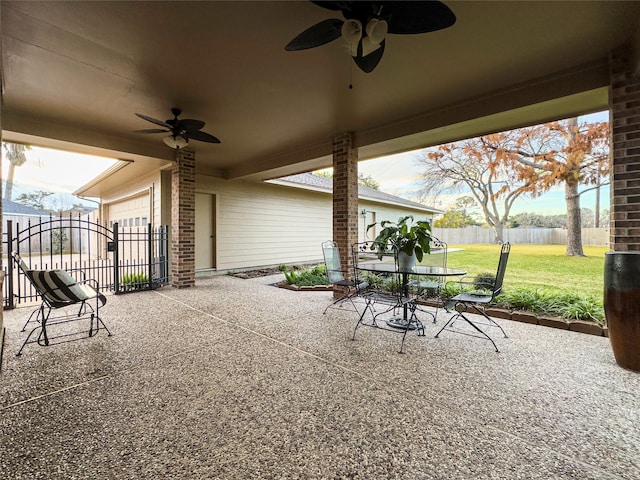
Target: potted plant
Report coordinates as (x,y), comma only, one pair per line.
(405,237)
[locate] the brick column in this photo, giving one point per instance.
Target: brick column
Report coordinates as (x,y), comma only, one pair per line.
(345,197)
(624,104)
(183,236)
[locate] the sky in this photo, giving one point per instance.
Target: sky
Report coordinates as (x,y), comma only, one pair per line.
(400,175)
(55,171)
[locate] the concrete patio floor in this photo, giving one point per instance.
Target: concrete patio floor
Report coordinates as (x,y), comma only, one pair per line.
(236,379)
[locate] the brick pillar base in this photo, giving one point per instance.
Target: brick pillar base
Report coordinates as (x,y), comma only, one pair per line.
(183,237)
(345,198)
(624,101)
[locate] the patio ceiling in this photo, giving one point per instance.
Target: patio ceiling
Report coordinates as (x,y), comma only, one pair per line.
(74,74)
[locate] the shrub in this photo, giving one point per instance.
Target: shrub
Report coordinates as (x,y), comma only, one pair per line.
(485,281)
(306,277)
(584,308)
(565,305)
(523,299)
(134,279)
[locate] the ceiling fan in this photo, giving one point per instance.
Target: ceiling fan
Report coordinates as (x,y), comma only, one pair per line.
(366,25)
(180,130)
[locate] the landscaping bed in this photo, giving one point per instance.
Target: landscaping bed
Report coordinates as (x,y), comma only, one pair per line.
(566,311)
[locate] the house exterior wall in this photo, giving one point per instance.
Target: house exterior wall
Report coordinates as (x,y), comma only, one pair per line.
(262,224)
(377,212)
(148,185)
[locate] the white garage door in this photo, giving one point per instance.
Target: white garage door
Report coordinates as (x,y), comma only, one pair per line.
(133,212)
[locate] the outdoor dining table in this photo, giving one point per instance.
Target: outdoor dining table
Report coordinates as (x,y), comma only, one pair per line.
(419,270)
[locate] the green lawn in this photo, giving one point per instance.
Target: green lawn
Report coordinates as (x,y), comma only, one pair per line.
(543,267)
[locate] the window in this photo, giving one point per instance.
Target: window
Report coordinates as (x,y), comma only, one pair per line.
(137,221)
(144,221)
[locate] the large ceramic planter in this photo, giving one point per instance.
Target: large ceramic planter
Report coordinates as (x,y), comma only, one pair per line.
(406,262)
(622,306)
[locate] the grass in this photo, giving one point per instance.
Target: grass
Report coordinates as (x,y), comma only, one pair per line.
(537,267)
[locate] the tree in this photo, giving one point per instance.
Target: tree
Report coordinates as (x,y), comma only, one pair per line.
(15,153)
(363,180)
(35,199)
(368,181)
(526,219)
(560,153)
(458,216)
(471,164)
(454,219)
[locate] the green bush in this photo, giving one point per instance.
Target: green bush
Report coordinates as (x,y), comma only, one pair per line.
(485,281)
(134,279)
(523,299)
(306,277)
(566,305)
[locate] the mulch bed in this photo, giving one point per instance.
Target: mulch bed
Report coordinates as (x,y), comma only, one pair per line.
(263,272)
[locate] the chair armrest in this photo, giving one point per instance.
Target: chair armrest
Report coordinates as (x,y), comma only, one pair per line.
(92,282)
(471,286)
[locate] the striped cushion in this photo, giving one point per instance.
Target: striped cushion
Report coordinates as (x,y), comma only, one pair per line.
(59,288)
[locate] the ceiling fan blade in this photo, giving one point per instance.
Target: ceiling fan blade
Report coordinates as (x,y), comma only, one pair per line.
(319,34)
(151,130)
(368,63)
(153,120)
(203,137)
(333,5)
(189,125)
(406,18)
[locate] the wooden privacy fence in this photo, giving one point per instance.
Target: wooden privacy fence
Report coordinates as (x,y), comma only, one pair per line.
(542,236)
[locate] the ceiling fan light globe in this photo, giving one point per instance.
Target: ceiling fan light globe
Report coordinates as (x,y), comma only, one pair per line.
(175,142)
(368,46)
(352,32)
(377,30)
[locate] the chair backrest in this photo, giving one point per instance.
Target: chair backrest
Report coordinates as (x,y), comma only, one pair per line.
(332,261)
(56,287)
(502,268)
(367,252)
(437,256)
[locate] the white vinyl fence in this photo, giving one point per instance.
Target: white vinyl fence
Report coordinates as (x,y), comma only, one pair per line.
(552,236)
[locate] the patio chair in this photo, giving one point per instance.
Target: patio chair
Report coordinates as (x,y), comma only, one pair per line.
(430,288)
(335,273)
(483,293)
(386,298)
(59,290)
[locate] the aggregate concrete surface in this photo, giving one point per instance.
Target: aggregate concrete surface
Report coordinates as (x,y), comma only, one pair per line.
(237,379)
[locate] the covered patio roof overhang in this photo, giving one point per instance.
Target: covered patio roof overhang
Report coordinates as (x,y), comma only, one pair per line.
(75,74)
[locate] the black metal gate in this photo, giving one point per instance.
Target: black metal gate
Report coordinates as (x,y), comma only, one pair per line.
(120,259)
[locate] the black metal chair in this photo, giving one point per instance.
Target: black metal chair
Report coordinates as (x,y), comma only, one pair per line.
(386,297)
(430,288)
(483,293)
(58,290)
(336,275)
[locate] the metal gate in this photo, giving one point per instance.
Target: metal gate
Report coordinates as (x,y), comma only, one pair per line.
(120,259)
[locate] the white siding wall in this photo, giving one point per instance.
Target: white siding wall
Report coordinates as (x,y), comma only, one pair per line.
(263,224)
(377,212)
(135,187)
(260,224)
